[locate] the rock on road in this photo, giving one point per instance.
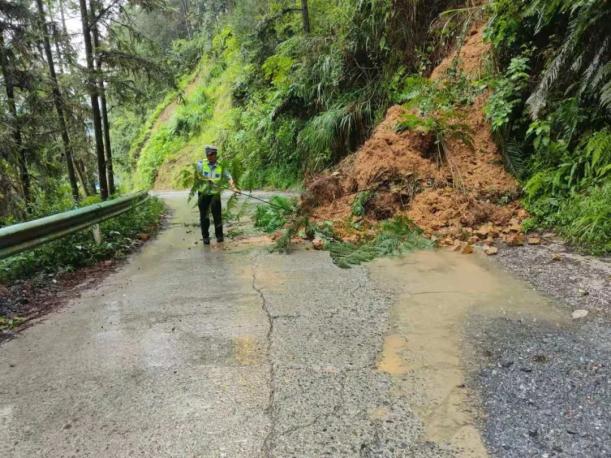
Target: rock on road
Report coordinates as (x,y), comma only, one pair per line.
(193,351)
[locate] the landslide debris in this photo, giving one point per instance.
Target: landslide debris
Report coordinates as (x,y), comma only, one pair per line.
(467,196)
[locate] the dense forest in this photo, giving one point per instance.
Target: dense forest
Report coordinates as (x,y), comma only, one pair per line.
(102,97)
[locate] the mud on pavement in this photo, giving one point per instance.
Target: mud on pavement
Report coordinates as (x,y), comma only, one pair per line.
(487,353)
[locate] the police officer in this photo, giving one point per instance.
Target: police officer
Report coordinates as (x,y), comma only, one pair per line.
(209,197)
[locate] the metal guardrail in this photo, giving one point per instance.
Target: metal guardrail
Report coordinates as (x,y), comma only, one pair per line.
(25,236)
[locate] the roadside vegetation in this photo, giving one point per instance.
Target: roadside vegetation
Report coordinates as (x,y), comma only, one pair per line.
(551,111)
(36,281)
(120,235)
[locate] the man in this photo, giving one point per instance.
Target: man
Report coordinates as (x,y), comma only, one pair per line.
(209,197)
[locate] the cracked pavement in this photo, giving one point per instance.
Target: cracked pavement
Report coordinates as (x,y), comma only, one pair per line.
(193,351)
(236,352)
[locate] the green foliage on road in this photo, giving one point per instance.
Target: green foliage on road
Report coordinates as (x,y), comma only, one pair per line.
(120,235)
(393,237)
(270,218)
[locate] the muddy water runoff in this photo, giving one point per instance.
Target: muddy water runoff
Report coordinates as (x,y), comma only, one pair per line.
(426,354)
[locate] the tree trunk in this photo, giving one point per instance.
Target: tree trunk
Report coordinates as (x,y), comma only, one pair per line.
(102,93)
(95,106)
(107,147)
(56,38)
(24,174)
(60,59)
(57,100)
(186,21)
(305,15)
(80,169)
(63,18)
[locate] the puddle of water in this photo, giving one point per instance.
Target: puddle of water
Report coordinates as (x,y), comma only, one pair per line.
(391,362)
(436,292)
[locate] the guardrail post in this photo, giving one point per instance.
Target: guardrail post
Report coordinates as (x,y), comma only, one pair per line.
(97,233)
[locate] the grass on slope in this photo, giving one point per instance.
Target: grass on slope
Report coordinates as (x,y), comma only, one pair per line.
(205,116)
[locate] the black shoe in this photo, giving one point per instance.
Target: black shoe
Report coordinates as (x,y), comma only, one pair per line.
(206,241)
(220,240)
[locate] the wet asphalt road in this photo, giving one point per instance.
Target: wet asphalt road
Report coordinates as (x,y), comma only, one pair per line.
(193,351)
(237,352)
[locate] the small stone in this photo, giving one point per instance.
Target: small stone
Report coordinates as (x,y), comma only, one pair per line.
(534,240)
(556,257)
(447,241)
(490,250)
(583,292)
(143,236)
(457,246)
(485,230)
(4,291)
(467,249)
(514,225)
(579,313)
(515,239)
(318,244)
(473,239)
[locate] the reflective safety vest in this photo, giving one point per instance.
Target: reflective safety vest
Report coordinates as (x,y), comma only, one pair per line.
(213,178)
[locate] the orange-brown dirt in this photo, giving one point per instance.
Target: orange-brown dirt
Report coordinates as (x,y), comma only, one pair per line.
(469,196)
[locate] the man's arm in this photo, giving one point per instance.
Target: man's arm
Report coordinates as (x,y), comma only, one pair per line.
(229,178)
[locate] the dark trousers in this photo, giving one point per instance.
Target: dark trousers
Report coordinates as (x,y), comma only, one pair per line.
(212,202)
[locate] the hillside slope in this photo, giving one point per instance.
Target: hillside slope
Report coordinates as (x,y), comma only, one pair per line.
(467,194)
(179,131)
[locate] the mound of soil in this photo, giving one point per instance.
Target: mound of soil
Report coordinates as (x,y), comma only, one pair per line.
(469,195)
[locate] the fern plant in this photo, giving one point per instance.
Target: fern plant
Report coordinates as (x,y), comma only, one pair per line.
(395,236)
(360,201)
(270,218)
(444,127)
(584,50)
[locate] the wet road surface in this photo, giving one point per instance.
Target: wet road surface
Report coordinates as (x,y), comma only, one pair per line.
(234,351)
